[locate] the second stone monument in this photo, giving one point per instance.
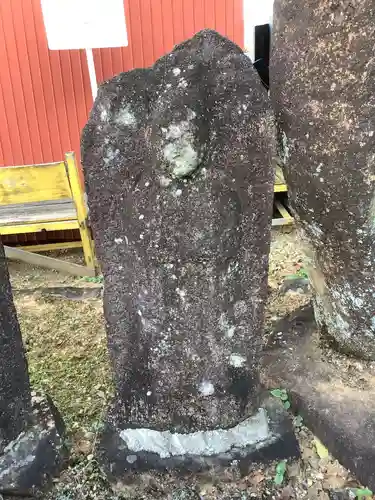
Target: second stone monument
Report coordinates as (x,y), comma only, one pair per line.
(177,161)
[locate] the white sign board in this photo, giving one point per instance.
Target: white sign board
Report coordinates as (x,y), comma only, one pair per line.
(84,24)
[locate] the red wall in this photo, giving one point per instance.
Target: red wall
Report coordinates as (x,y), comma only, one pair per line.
(45,95)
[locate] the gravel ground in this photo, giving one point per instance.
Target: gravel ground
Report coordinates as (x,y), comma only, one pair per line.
(66,347)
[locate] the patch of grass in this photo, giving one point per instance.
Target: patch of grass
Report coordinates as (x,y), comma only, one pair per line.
(362,493)
(302,273)
(67,355)
(94,279)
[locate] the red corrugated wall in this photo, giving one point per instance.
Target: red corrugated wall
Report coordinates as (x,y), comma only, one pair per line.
(45,95)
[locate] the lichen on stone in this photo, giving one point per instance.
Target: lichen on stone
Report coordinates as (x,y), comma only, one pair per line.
(126,117)
(180,152)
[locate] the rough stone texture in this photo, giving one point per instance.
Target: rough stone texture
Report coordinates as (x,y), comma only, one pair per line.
(30,460)
(185,494)
(177,162)
(322,85)
(336,403)
(279,442)
(15,394)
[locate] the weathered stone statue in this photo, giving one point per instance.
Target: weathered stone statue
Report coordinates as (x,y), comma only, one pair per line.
(323,91)
(177,162)
(31,432)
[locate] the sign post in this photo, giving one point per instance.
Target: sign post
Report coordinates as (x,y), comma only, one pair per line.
(92,72)
(85,24)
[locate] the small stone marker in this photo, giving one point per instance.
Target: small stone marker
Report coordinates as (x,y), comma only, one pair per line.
(323,90)
(15,397)
(177,162)
(31,432)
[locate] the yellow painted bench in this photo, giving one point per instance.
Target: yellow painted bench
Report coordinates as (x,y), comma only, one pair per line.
(280,184)
(47,197)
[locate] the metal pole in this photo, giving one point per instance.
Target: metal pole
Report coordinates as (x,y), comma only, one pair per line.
(92,73)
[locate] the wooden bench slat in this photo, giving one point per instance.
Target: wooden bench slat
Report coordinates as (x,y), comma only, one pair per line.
(37,212)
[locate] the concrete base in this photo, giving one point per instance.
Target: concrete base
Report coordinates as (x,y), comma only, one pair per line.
(335,394)
(268,435)
(37,454)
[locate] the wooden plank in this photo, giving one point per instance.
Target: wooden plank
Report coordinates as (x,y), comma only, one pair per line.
(47,247)
(42,226)
(35,259)
(26,213)
(280,188)
(282,210)
(81,210)
(279,176)
(282,222)
(285,219)
(33,183)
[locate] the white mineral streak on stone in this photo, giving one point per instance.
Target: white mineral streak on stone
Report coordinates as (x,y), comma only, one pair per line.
(164,181)
(20,452)
(225,326)
(315,230)
(131,459)
(181,294)
(285,149)
(110,154)
(103,114)
(239,308)
(179,152)
(176,71)
(206,388)
(118,241)
(126,117)
(250,432)
(15,467)
(237,360)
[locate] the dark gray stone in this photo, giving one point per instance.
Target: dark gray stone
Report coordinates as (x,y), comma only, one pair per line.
(345,494)
(177,162)
(37,454)
(322,71)
(15,397)
(31,431)
(336,403)
(278,442)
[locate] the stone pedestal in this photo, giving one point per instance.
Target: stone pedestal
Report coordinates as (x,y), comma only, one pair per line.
(334,394)
(31,432)
(322,87)
(177,162)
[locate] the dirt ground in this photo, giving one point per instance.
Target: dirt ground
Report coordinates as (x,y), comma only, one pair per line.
(67,355)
